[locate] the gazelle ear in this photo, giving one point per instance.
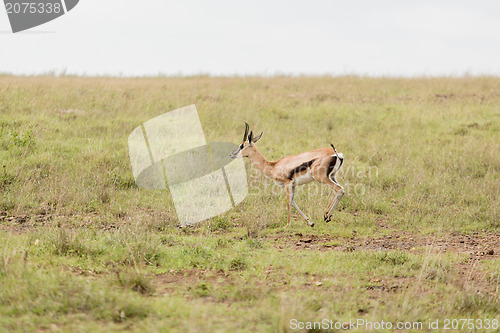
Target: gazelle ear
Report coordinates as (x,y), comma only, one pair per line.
(250,137)
(257,138)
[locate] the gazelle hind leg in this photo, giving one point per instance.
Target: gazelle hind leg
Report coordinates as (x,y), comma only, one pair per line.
(339,193)
(326,216)
(336,201)
(325,174)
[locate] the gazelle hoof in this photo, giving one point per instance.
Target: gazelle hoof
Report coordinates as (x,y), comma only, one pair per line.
(328,218)
(312,225)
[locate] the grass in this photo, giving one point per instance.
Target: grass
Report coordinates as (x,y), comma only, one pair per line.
(82,248)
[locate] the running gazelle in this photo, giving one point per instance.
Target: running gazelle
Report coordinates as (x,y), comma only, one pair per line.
(291,171)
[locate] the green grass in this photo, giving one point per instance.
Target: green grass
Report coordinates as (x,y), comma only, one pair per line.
(82,248)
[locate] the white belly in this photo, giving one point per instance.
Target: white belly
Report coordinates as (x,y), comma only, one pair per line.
(304,179)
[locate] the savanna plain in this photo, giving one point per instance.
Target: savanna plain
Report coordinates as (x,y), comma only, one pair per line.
(415,239)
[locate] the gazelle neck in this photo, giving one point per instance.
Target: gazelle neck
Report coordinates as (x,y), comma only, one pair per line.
(260,161)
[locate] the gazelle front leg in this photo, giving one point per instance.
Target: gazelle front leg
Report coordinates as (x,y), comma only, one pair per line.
(302,214)
(292,199)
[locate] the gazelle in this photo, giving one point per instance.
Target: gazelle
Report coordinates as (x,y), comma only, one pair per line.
(291,171)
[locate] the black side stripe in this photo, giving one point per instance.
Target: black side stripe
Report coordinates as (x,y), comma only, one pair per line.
(332,165)
(300,168)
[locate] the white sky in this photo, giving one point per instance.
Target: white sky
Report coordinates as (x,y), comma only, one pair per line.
(223,37)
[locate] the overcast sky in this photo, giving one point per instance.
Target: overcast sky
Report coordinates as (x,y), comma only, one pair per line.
(151,37)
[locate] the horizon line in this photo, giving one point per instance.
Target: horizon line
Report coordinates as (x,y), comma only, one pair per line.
(251,75)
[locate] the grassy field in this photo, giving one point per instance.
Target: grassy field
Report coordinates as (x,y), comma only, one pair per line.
(416,238)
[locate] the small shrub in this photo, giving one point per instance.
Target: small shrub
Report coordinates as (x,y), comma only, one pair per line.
(244,293)
(468,302)
(254,243)
(201,290)
(121,182)
(221,243)
(437,270)
(238,264)
(256,228)
(26,140)
(219,223)
(6,178)
(393,257)
(67,244)
(136,281)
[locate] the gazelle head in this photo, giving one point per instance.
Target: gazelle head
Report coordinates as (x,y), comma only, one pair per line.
(247,145)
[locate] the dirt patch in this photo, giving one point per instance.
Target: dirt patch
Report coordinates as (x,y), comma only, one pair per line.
(477,245)
(172,280)
(29,222)
(21,223)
